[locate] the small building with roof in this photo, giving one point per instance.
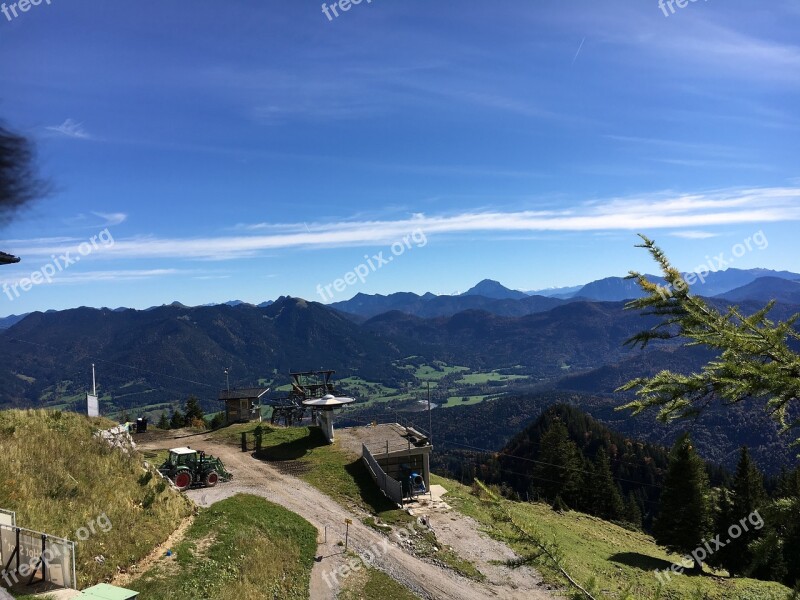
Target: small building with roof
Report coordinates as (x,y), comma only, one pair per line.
(398,458)
(242,405)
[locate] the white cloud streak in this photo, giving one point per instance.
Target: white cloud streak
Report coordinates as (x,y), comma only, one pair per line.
(694,235)
(111,219)
(635,214)
(77,277)
(71,129)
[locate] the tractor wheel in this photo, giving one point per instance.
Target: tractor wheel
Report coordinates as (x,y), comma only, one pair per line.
(183,480)
(211,479)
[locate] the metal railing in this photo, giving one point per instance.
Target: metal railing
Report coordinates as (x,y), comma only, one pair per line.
(391,488)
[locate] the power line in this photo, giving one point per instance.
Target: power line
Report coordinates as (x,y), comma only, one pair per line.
(96,359)
(500,453)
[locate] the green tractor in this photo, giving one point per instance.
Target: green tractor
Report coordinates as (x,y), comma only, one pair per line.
(187,468)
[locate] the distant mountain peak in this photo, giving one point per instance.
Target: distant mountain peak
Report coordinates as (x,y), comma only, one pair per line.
(489,288)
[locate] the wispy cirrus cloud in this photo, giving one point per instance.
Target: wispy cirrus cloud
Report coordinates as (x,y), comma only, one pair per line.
(90,220)
(111,219)
(82,277)
(680,213)
(71,129)
(694,235)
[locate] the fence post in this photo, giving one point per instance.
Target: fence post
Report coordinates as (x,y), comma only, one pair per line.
(385,471)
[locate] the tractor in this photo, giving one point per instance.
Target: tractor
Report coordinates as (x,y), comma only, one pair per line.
(187,468)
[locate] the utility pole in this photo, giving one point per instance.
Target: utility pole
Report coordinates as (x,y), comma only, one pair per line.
(227,379)
(430,417)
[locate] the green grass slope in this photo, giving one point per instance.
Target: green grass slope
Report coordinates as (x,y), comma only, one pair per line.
(59,478)
(615,562)
(242,548)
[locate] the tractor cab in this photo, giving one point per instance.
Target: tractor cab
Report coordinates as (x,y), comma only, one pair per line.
(182,457)
(186,468)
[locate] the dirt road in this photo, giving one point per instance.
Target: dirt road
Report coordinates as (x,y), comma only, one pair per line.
(423,578)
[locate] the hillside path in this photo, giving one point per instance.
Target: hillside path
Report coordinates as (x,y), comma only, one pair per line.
(424,578)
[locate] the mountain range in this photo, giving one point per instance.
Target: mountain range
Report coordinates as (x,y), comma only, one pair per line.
(150,359)
(491,296)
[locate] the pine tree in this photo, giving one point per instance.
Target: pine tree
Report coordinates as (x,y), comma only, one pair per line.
(755,361)
(605,498)
(217,421)
(558,471)
(163,422)
(789,483)
(790,538)
(776,553)
(722,558)
(633,514)
(747,496)
(684,516)
(177,421)
(193,410)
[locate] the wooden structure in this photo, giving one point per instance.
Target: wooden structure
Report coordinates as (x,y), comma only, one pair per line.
(242,405)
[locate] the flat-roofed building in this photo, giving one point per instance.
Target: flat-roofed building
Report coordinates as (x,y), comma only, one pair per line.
(401,454)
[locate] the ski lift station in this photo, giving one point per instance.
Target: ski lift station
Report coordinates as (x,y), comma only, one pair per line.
(397,457)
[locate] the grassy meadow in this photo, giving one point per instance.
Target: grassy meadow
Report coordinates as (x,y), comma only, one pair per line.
(616,563)
(59,478)
(242,548)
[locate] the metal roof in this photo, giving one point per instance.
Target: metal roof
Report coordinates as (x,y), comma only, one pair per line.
(397,438)
(328,401)
(243,394)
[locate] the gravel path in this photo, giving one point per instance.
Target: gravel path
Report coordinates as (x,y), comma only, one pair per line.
(424,578)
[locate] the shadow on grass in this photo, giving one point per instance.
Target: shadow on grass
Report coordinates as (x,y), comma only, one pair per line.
(641,561)
(649,563)
(294,449)
(369,491)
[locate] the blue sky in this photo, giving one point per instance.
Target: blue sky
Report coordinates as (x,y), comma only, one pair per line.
(251,149)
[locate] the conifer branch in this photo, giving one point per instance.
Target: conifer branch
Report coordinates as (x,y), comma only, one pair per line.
(755,359)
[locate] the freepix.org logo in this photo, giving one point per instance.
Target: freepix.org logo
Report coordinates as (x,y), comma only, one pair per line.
(60,263)
(14,9)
